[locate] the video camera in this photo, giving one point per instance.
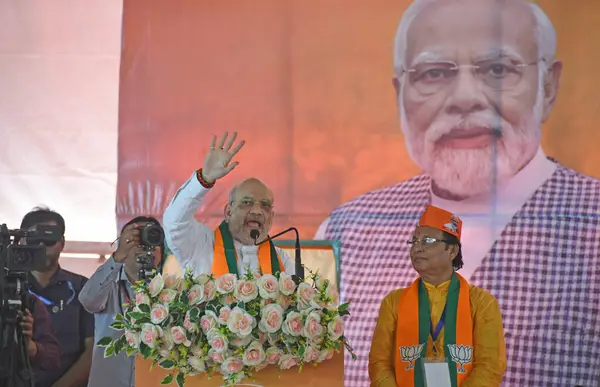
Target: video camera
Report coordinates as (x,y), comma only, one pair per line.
(151,236)
(16,260)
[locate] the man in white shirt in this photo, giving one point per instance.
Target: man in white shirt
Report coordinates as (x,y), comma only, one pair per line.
(248,214)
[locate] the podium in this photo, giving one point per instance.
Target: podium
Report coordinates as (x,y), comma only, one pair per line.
(330,373)
(317,255)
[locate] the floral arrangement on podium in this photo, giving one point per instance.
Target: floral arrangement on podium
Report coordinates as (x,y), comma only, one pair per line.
(229,325)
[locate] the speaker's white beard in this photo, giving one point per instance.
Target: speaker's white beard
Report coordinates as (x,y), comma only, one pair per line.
(468,172)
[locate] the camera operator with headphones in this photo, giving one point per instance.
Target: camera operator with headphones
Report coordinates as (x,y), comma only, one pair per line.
(109,288)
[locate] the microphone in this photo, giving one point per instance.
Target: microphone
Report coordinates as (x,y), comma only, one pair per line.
(299,277)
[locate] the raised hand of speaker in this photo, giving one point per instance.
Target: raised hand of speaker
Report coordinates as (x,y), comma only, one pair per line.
(218,162)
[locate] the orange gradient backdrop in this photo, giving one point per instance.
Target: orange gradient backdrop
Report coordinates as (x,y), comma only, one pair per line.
(308,84)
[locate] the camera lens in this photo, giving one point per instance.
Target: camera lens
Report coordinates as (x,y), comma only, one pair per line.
(152,235)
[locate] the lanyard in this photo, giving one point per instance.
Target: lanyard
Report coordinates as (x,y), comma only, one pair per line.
(438,329)
(55,307)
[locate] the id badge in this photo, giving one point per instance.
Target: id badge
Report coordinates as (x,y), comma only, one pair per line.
(436,373)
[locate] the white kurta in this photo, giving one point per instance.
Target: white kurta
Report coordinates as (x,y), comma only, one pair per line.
(193,242)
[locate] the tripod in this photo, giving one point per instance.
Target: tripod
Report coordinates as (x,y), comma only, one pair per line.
(15,367)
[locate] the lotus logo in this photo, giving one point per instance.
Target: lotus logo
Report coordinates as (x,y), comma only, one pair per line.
(410,354)
(461,354)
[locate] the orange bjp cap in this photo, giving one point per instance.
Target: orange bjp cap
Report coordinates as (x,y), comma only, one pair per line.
(440,219)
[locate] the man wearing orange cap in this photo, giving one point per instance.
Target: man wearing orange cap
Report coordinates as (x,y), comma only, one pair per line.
(443,318)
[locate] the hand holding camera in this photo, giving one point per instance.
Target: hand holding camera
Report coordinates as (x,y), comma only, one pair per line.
(137,244)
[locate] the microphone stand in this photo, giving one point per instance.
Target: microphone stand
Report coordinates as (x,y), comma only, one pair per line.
(299,275)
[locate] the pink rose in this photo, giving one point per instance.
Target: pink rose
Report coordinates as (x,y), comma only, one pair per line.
(226,283)
(240,322)
(293,324)
(179,336)
(246,291)
(273,354)
(271,318)
(173,282)
(157,284)
(326,354)
(210,291)
(149,335)
(217,357)
(189,325)
(231,365)
(208,322)
(142,298)
(268,286)
(253,355)
(287,285)
(196,294)
(288,361)
(167,295)
(224,313)
(218,341)
(230,299)
(159,313)
(313,328)
(310,354)
(305,295)
(335,328)
(133,339)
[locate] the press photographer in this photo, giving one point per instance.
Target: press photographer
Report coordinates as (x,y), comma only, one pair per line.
(26,336)
(140,250)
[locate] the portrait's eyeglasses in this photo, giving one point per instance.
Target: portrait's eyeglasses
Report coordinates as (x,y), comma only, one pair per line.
(425,241)
(496,74)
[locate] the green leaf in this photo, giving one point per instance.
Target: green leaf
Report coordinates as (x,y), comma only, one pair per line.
(136,315)
(343,308)
(337,346)
(195,315)
(103,342)
(119,326)
(167,364)
(119,317)
(145,350)
(144,308)
(129,351)
(180,379)
(167,380)
(301,351)
(109,350)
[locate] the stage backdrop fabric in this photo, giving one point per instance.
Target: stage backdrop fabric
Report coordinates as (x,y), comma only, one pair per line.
(308,85)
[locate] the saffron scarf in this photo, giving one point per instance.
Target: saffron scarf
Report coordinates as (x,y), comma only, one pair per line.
(413,332)
(225,256)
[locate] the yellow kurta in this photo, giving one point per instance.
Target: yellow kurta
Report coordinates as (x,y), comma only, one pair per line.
(489,352)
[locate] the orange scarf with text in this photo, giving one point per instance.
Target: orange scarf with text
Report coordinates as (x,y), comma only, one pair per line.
(413,333)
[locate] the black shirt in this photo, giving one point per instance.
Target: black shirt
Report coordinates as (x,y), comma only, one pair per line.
(71,322)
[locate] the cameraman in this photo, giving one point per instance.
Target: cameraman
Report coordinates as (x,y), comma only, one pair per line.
(104,295)
(58,288)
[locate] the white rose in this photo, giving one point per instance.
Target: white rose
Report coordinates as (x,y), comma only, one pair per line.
(240,322)
(271,318)
(246,291)
(159,313)
(254,354)
(287,285)
(157,284)
(149,335)
(268,286)
(167,295)
(196,294)
(226,283)
(133,339)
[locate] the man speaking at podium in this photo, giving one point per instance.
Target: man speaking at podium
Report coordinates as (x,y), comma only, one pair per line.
(248,213)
